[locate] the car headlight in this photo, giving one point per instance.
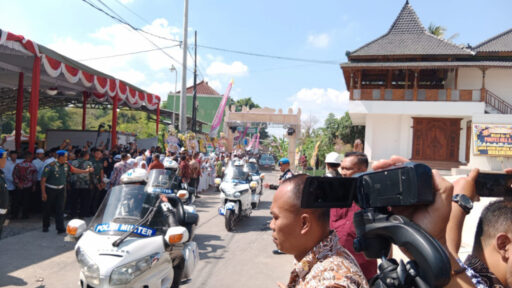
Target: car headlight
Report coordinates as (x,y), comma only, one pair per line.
(124,274)
(253,184)
(89,268)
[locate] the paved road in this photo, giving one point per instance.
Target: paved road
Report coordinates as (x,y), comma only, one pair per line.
(242,258)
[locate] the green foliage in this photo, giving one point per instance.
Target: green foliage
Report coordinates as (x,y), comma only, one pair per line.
(436,30)
(71,118)
(332,137)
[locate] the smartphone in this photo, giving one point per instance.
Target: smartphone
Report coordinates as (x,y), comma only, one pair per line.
(328,192)
(490,184)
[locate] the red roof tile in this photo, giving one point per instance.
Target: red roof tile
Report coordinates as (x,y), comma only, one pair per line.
(202,89)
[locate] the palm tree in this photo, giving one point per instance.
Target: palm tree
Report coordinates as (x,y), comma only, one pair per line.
(438,31)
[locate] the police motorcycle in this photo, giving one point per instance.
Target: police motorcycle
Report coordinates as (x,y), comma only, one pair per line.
(138,238)
(258,177)
(236,196)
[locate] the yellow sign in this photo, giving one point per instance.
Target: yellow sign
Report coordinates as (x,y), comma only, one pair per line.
(492,140)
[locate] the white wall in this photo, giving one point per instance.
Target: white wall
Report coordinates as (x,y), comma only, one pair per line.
(490,162)
(416,108)
(499,82)
(387,135)
(450,79)
(469,78)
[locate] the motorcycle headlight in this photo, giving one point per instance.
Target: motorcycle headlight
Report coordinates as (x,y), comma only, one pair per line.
(217,181)
(236,195)
(89,268)
(253,184)
(124,274)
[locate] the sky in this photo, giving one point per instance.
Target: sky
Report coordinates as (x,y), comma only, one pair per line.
(319,30)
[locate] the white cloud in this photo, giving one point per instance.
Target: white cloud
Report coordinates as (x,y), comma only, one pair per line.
(319,40)
(320,102)
(126,1)
(218,68)
(149,71)
(215,84)
(161,89)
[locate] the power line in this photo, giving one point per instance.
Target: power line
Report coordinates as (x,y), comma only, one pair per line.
(138,30)
(128,53)
(133,12)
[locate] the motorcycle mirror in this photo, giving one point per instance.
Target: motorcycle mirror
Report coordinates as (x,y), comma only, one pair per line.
(76,227)
(178,234)
(182,194)
(262,176)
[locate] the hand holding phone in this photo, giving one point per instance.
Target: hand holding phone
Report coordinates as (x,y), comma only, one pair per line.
(490,184)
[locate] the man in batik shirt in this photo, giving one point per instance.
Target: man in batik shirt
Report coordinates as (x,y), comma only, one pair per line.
(25,179)
(320,261)
(119,169)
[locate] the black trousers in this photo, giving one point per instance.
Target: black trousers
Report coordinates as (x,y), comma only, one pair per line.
(56,199)
(96,199)
(80,197)
(193,183)
(21,201)
(4,203)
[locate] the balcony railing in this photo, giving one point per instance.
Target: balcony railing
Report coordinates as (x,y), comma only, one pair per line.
(497,103)
(477,95)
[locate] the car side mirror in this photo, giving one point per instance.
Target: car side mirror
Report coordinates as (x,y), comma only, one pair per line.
(76,228)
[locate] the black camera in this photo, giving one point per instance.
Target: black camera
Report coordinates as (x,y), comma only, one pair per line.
(409,184)
(405,185)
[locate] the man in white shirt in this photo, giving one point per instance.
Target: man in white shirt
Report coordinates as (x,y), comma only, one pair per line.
(39,163)
(9,167)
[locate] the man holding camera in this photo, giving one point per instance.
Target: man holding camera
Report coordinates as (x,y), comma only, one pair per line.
(320,261)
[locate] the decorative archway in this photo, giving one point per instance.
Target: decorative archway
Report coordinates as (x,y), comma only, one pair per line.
(267,115)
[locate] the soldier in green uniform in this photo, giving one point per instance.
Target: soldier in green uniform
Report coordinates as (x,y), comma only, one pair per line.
(53,189)
(4,193)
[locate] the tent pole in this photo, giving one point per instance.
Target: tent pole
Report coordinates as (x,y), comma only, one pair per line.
(19,113)
(114,121)
(157,117)
(34,103)
(84,109)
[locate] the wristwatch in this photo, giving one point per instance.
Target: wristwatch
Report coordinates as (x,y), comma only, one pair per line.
(464,202)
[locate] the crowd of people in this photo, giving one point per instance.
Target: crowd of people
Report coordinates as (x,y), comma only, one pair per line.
(68,181)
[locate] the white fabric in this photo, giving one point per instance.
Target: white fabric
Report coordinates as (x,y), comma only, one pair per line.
(48,68)
(69,77)
(84,81)
(39,166)
(8,169)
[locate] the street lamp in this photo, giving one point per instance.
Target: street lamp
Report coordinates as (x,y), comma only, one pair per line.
(173,69)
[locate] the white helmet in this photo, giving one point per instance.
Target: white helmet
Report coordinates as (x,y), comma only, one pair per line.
(252,160)
(170,164)
(134,175)
(333,158)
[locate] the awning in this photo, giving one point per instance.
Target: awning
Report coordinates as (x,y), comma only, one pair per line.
(62,78)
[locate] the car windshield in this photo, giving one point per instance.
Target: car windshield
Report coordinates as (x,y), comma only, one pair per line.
(267,158)
(235,172)
(124,206)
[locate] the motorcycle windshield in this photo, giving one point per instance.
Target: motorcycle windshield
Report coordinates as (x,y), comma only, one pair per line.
(162,181)
(236,174)
(252,168)
(122,208)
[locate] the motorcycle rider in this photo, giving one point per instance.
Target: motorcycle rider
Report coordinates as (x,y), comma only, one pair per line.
(333,163)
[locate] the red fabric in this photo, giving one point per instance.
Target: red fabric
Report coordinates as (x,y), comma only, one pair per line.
(114,122)
(156,165)
(101,81)
(27,44)
(184,171)
(71,70)
(24,174)
(112,87)
(122,88)
(54,64)
(19,113)
(34,103)
(341,221)
(149,98)
(98,95)
(142,96)
(87,76)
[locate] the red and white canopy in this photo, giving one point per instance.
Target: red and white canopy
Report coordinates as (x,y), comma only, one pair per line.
(79,77)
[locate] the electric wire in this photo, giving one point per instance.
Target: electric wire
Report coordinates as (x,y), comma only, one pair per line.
(128,53)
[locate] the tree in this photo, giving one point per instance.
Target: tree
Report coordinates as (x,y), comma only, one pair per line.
(439,31)
(347,132)
(308,124)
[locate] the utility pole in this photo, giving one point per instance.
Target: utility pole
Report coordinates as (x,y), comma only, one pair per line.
(183,95)
(194,97)
(173,69)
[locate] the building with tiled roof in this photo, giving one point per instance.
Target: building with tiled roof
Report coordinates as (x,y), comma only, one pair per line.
(430,100)
(500,44)
(208,101)
(408,37)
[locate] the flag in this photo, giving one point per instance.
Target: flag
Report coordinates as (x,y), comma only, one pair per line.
(220,112)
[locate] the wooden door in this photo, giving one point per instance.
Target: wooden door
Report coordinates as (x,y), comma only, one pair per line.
(469,132)
(436,139)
